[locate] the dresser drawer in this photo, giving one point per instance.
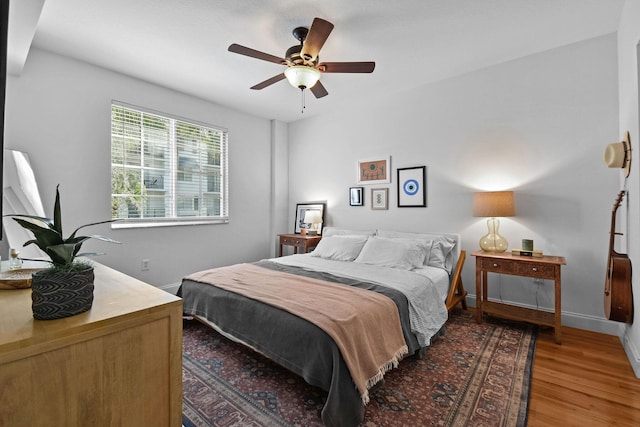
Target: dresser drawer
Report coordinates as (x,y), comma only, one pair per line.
(531,269)
(292,241)
(497,265)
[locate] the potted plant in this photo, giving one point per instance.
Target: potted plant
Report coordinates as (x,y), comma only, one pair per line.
(66,287)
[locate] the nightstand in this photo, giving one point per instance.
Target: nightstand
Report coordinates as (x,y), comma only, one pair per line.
(298,241)
(546,267)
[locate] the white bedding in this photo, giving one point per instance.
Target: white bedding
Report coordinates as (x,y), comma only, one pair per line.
(425,288)
(438,277)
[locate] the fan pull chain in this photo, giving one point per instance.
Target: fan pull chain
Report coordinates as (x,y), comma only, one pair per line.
(303,103)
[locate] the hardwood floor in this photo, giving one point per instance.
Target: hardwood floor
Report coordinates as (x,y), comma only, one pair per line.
(587,381)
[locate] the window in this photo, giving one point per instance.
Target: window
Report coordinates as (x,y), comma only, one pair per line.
(166,170)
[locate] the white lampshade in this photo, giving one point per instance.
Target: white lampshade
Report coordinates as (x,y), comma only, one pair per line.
(312,217)
(301,76)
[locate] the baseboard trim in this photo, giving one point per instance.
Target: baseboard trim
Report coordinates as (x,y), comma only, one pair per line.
(632,351)
(574,320)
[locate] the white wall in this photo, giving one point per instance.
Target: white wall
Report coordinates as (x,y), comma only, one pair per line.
(58,111)
(279,183)
(537,125)
(628,59)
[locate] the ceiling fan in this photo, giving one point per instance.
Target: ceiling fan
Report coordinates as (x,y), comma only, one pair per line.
(303,63)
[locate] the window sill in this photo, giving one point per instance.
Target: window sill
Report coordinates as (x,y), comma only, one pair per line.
(172,222)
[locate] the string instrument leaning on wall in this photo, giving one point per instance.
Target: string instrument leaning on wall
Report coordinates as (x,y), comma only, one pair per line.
(618,298)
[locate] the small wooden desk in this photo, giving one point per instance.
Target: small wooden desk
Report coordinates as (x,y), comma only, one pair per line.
(546,267)
(299,241)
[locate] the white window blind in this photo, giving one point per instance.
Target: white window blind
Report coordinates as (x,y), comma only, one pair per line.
(166,170)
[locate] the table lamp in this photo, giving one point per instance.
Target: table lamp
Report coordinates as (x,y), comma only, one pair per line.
(314,218)
(493,204)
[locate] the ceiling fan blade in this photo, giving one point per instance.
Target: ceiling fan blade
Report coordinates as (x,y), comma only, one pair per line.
(269,82)
(318,34)
(247,51)
(318,90)
(347,67)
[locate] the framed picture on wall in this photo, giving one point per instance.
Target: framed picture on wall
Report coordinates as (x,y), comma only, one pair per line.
(309,216)
(374,171)
(379,198)
(412,187)
(356,196)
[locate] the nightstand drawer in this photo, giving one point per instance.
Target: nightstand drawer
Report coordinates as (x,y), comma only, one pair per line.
(292,241)
(497,265)
(530,269)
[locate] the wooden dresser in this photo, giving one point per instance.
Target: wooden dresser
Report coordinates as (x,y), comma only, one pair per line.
(118,364)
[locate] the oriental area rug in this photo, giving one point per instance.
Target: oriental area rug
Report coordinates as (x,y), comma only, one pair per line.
(472,375)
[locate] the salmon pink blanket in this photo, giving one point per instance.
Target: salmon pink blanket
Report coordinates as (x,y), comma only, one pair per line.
(365,325)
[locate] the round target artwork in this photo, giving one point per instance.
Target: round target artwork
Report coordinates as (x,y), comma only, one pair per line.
(412,191)
(411,187)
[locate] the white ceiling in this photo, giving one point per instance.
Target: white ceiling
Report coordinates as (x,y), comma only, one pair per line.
(182,44)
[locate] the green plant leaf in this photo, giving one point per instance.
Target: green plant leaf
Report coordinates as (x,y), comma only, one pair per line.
(44,237)
(35,220)
(93,223)
(62,254)
(104,238)
(90,254)
(57,214)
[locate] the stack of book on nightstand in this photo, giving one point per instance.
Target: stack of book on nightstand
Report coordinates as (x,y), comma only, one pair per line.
(522,252)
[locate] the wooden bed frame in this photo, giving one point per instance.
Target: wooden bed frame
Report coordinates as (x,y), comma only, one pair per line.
(457,293)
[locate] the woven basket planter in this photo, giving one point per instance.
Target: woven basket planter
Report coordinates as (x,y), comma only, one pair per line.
(58,295)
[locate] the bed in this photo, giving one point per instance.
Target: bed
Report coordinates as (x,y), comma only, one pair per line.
(340,316)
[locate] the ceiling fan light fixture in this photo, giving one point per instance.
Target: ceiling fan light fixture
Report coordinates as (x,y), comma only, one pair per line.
(301,76)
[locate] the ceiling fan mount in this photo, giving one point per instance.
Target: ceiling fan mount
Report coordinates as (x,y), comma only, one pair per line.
(302,60)
(300,33)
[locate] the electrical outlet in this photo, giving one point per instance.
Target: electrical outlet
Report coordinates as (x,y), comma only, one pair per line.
(144,265)
(538,281)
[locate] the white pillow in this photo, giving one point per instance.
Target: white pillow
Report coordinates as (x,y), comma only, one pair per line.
(339,248)
(440,251)
(441,248)
(405,254)
(335,231)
